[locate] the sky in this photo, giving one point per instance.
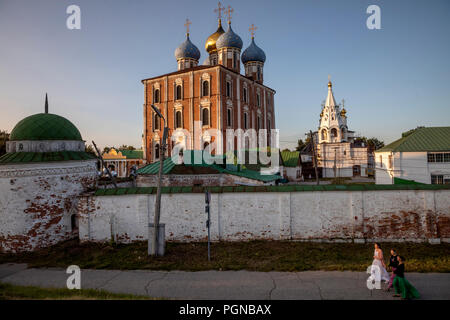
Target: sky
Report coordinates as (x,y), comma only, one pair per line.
(392,79)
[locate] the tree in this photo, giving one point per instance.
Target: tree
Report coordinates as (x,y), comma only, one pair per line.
(372,143)
(106,149)
(90,149)
(301,145)
(4,137)
(125,147)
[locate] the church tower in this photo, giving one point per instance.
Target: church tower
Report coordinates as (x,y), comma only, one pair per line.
(253,59)
(229,47)
(333,122)
(210,45)
(187,54)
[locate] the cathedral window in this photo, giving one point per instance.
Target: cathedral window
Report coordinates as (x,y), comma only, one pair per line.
(157,151)
(258,100)
(205,145)
(333,133)
(258,74)
(244,95)
(258,123)
(205,88)
(178,120)
(156,96)
(245,120)
(324,134)
(205,116)
(234,60)
(178,93)
(156,122)
(228,89)
(229,116)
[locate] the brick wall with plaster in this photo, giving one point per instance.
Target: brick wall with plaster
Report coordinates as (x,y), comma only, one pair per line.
(38,200)
(382,215)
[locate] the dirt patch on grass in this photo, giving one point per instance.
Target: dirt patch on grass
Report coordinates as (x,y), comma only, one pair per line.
(252,255)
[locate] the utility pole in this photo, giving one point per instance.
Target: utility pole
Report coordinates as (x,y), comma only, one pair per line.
(162,147)
(334,167)
(314,155)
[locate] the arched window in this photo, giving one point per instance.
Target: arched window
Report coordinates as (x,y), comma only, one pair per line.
(178,120)
(228,89)
(178,92)
(324,134)
(157,151)
(205,145)
(244,95)
(258,123)
(234,60)
(245,120)
(73,222)
(156,122)
(205,88)
(156,96)
(258,100)
(229,117)
(333,133)
(205,116)
(259,73)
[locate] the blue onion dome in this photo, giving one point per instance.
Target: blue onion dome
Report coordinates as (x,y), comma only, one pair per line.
(187,50)
(229,40)
(253,53)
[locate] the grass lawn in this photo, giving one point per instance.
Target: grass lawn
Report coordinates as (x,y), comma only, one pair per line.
(12,292)
(252,255)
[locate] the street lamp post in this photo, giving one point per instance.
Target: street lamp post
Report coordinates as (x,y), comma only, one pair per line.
(162,147)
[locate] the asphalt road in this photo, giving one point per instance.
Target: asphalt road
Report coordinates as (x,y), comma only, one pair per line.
(228,285)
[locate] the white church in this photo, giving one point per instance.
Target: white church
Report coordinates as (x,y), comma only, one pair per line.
(338,154)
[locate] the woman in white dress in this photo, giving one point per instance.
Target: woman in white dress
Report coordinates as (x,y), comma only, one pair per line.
(378,271)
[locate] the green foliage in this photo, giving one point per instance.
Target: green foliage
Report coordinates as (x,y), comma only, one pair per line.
(373,142)
(9,292)
(90,149)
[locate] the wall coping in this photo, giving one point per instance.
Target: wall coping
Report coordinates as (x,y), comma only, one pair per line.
(288,188)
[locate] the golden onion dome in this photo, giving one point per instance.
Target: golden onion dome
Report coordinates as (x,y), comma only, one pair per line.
(210,44)
(343,112)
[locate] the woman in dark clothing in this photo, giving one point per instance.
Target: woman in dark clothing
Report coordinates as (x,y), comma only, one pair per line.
(402,287)
(393,263)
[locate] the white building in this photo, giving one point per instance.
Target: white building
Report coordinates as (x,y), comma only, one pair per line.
(422,155)
(337,153)
(42,174)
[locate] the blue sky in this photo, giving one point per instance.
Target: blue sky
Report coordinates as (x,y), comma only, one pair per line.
(392,79)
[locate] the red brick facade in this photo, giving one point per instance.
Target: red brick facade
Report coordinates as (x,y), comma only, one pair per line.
(219,97)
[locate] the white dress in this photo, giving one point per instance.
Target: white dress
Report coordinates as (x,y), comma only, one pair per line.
(377,271)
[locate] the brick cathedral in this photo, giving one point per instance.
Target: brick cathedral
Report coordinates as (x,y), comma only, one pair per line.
(198,99)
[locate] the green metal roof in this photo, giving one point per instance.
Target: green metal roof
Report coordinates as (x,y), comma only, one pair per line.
(290,158)
(133,154)
(405,181)
(168,166)
(45,126)
(31,157)
(422,140)
(284,188)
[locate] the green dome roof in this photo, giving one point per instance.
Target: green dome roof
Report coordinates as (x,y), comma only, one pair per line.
(45,126)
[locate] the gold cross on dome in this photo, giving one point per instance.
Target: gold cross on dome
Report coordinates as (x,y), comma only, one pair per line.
(252,30)
(187,24)
(343,101)
(329,78)
(219,10)
(228,13)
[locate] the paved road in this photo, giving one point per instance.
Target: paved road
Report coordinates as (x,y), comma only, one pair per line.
(227,285)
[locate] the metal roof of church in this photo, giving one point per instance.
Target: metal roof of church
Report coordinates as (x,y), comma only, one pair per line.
(169,165)
(33,157)
(45,126)
(421,140)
